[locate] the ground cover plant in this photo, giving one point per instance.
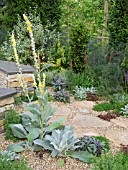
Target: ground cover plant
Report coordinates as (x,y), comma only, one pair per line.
(103,107)
(11,117)
(8,161)
(108,161)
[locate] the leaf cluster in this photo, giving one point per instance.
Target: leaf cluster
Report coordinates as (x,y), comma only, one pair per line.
(11,117)
(108,161)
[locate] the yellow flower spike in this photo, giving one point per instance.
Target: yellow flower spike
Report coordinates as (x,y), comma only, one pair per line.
(34,84)
(22,85)
(13,43)
(29,29)
(28,23)
(44,76)
(36,102)
(25,17)
(40,91)
(40,85)
(19,76)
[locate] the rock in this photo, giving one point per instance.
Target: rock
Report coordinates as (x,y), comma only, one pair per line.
(6,101)
(83,104)
(84,121)
(118,136)
(121,122)
(84,111)
(83,132)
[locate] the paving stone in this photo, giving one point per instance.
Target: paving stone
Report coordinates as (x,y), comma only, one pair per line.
(118,136)
(83,104)
(121,122)
(61,111)
(84,121)
(84,111)
(83,132)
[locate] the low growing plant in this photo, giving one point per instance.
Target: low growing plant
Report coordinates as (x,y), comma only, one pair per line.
(6,164)
(80,93)
(124,111)
(62,96)
(110,162)
(59,142)
(92,145)
(103,107)
(11,117)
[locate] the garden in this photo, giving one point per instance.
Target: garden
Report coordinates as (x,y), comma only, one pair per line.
(64,85)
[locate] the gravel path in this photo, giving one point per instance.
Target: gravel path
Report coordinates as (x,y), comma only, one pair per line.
(82,109)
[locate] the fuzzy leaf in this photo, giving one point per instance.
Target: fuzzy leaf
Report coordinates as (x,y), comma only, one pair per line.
(18,131)
(55,125)
(33,134)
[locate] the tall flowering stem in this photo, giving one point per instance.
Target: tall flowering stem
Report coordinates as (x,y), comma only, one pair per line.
(20,75)
(29,28)
(41,85)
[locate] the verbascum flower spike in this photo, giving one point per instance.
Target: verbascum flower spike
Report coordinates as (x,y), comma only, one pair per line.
(20,76)
(29,28)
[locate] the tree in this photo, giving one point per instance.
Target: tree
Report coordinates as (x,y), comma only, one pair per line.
(47,9)
(118,24)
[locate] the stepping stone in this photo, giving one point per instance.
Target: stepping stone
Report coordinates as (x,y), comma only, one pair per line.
(84,104)
(84,121)
(84,111)
(83,132)
(121,122)
(118,136)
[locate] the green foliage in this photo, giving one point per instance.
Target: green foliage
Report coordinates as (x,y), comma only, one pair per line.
(11,117)
(119,101)
(78,42)
(59,142)
(80,93)
(45,41)
(118,21)
(124,110)
(49,11)
(6,164)
(103,107)
(108,161)
(9,155)
(34,123)
(83,156)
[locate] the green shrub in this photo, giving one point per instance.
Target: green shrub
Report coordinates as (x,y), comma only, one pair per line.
(103,107)
(110,162)
(11,117)
(13,165)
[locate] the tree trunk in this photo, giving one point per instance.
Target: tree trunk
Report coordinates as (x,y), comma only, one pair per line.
(105,18)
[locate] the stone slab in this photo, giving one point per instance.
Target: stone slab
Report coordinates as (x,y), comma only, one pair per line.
(11,68)
(6,101)
(83,121)
(7,107)
(84,111)
(118,136)
(7,92)
(120,122)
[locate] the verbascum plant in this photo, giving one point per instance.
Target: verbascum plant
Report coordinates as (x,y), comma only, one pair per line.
(34,123)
